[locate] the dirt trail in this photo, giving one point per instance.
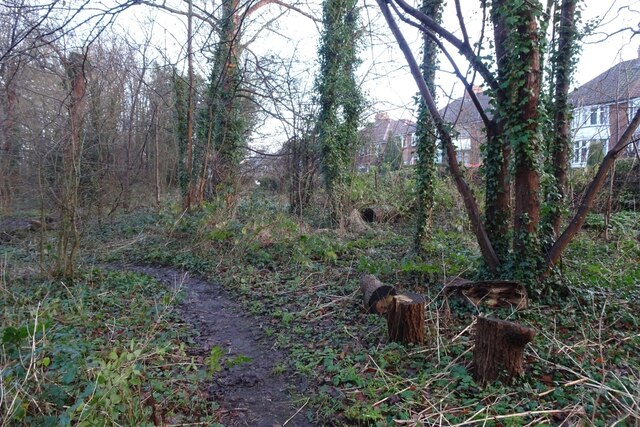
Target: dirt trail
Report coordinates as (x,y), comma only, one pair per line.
(249,394)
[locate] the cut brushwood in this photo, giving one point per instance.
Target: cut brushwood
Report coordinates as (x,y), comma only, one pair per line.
(376,295)
(405,318)
(499,348)
(491,293)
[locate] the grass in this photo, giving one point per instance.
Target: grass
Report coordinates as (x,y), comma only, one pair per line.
(584,365)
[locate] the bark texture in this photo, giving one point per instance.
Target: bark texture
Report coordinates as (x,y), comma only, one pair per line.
(499,349)
(405,319)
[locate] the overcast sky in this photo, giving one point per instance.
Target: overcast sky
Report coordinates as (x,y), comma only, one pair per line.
(383,72)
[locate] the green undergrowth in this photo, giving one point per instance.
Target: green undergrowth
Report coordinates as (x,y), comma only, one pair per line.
(105,349)
(583,366)
(302,283)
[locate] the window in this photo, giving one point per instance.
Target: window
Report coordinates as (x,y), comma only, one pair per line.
(598,116)
(634,105)
(462,143)
(414,159)
(414,139)
(580,153)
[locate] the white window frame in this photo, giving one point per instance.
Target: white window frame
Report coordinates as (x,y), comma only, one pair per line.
(580,153)
(634,105)
(597,115)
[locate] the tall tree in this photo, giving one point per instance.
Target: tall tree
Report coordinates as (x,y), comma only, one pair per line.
(560,141)
(514,148)
(226,126)
(426,133)
(339,98)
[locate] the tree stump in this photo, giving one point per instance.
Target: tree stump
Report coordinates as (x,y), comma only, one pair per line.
(376,295)
(499,346)
(405,318)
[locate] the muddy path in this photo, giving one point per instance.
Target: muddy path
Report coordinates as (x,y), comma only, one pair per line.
(249,394)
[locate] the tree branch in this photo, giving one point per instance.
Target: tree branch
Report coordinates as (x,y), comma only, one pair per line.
(470,203)
(554,254)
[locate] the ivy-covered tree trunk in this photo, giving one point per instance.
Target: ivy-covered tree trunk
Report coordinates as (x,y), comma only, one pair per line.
(561,140)
(340,99)
(9,147)
(498,149)
(180,117)
(226,125)
(426,133)
(518,53)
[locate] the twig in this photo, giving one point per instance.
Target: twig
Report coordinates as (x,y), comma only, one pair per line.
(296,413)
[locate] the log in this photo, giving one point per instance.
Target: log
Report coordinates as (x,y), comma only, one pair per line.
(405,318)
(491,293)
(499,349)
(376,295)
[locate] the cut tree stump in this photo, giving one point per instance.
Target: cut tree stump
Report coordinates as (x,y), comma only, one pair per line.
(376,295)
(491,293)
(405,318)
(499,347)
(354,223)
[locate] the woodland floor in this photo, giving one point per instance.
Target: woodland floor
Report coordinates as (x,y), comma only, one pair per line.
(249,394)
(252,319)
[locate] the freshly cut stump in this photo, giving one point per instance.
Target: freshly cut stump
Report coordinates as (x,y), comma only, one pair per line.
(405,318)
(499,346)
(376,295)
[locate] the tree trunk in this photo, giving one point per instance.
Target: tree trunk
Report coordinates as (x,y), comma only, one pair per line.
(405,318)
(190,110)
(8,146)
(156,162)
(499,346)
(69,235)
(562,131)
(486,248)
(426,135)
(376,295)
(498,150)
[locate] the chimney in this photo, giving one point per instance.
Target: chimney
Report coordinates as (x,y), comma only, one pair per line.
(382,116)
(638,51)
(478,90)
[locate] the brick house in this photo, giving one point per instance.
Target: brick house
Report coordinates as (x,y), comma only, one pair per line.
(467,123)
(603,108)
(376,136)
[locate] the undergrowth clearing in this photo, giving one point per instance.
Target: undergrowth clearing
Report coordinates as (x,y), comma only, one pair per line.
(301,284)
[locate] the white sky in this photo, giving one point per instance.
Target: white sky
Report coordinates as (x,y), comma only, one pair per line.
(384,73)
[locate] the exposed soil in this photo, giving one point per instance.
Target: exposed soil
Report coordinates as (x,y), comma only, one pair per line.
(248,394)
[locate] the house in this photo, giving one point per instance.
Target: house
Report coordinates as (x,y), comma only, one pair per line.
(603,108)
(375,138)
(467,123)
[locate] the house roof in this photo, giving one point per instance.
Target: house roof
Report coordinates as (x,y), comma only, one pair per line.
(461,111)
(619,83)
(384,127)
